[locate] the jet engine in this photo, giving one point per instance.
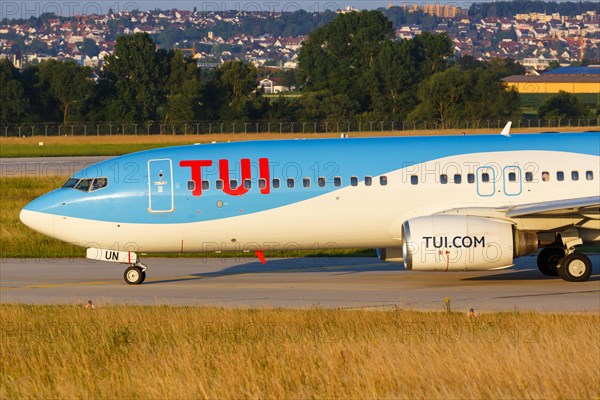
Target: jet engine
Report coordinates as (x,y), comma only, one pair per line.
(463,243)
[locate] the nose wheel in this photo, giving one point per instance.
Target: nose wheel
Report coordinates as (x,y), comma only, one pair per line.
(135,274)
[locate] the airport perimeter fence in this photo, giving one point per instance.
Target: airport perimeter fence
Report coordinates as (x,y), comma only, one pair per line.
(268,127)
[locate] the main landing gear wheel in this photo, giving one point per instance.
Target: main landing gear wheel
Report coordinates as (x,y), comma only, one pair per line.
(134,275)
(548,259)
(575,267)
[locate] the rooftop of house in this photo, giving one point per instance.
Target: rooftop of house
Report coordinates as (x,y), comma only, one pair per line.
(590,70)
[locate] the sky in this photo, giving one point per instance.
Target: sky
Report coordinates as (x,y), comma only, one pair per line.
(17,9)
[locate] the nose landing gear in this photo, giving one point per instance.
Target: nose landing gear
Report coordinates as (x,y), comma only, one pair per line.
(135,274)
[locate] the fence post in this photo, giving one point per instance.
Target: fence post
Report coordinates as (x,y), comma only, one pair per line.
(314,126)
(292,125)
(84,129)
(135,129)
(245,127)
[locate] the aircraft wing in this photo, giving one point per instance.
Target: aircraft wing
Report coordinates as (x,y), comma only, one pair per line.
(588,207)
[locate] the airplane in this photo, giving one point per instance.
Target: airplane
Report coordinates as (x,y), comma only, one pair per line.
(435,203)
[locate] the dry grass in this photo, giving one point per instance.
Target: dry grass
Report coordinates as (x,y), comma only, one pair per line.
(121,144)
(207,138)
(168,352)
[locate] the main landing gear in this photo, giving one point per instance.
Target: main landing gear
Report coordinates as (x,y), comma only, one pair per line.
(135,274)
(563,260)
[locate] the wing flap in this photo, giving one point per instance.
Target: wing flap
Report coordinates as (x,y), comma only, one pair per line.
(588,207)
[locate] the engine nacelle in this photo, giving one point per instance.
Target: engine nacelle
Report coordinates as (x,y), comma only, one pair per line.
(463,243)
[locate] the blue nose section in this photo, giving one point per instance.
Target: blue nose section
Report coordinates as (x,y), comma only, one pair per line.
(37,215)
(43,203)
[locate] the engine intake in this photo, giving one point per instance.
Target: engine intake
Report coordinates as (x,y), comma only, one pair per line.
(463,243)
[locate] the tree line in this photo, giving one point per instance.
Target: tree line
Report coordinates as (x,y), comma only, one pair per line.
(349,69)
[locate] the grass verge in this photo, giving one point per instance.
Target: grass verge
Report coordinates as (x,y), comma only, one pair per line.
(55,146)
(187,352)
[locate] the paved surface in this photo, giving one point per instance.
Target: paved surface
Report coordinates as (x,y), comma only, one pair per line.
(306,282)
(45,166)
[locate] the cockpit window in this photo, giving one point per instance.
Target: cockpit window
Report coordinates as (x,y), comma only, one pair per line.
(71,183)
(99,183)
(86,185)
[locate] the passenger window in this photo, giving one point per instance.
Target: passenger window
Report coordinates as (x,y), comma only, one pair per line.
(205,185)
(368,181)
(560,176)
(383,180)
(337,181)
(545,176)
(589,175)
(233,184)
(575,175)
(457,178)
(443,179)
(219,184)
(306,182)
(191,186)
(471,178)
(414,179)
(528,176)
(276,183)
(262,183)
(321,181)
(354,180)
(290,182)
(247,184)
(512,177)
(485,177)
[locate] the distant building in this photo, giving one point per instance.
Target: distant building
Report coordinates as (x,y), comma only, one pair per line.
(271,86)
(568,79)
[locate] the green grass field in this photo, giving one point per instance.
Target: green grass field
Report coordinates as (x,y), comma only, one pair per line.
(55,146)
(129,352)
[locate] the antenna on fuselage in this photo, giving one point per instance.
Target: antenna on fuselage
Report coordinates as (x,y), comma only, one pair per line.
(506,130)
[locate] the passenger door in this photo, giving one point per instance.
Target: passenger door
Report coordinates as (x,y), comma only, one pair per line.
(160,186)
